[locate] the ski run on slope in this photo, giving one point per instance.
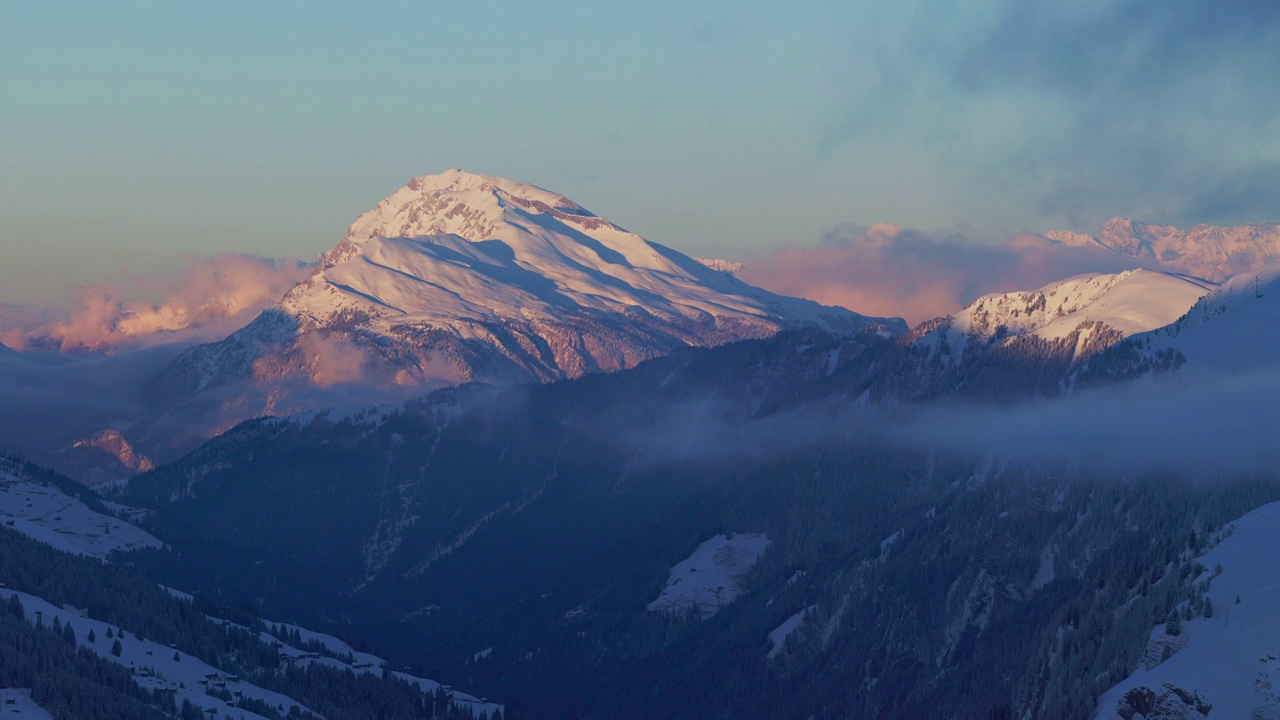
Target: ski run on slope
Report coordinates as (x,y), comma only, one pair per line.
(1231,330)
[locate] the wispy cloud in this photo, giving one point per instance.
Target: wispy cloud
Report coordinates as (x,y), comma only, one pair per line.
(1219,426)
(1074,112)
(888,271)
(212,298)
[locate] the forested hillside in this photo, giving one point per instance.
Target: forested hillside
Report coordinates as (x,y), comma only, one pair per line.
(75,672)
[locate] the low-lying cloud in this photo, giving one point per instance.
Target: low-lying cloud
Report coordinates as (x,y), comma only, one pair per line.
(212,298)
(1219,426)
(888,271)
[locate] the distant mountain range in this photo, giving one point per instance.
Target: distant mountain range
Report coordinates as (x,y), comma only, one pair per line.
(1204,251)
(460,277)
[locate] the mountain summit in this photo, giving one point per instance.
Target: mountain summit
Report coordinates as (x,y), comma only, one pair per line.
(458,251)
(463,277)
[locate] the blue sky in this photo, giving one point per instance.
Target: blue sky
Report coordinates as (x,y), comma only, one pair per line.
(134,135)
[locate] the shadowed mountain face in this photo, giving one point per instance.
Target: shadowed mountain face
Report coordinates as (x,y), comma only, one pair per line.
(460,277)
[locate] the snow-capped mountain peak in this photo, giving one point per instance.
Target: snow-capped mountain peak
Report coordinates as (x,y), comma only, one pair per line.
(1131,301)
(460,277)
(469,205)
(462,246)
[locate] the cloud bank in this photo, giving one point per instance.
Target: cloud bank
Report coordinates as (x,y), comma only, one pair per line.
(212,298)
(1220,426)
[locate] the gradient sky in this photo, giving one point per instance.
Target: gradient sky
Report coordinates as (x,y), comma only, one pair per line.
(134,135)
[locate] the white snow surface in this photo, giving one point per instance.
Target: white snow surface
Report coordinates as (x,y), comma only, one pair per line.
(190,671)
(47,514)
(1045,573)
(22,707)
(459,246)
(1130,302)
(708,579)
(1233,658)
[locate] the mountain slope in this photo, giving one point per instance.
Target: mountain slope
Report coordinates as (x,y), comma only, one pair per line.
(461,277)
(1229,331)
(1233,328)
(105,457)
(1225,657)
(1204,251)
(59,574)
(1020,344)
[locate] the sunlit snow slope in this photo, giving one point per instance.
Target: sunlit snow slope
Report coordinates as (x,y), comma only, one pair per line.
(1118,305)
(1232,329)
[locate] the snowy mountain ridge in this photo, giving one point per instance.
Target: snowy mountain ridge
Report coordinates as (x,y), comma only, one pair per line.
(465,247)
(1117,305)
